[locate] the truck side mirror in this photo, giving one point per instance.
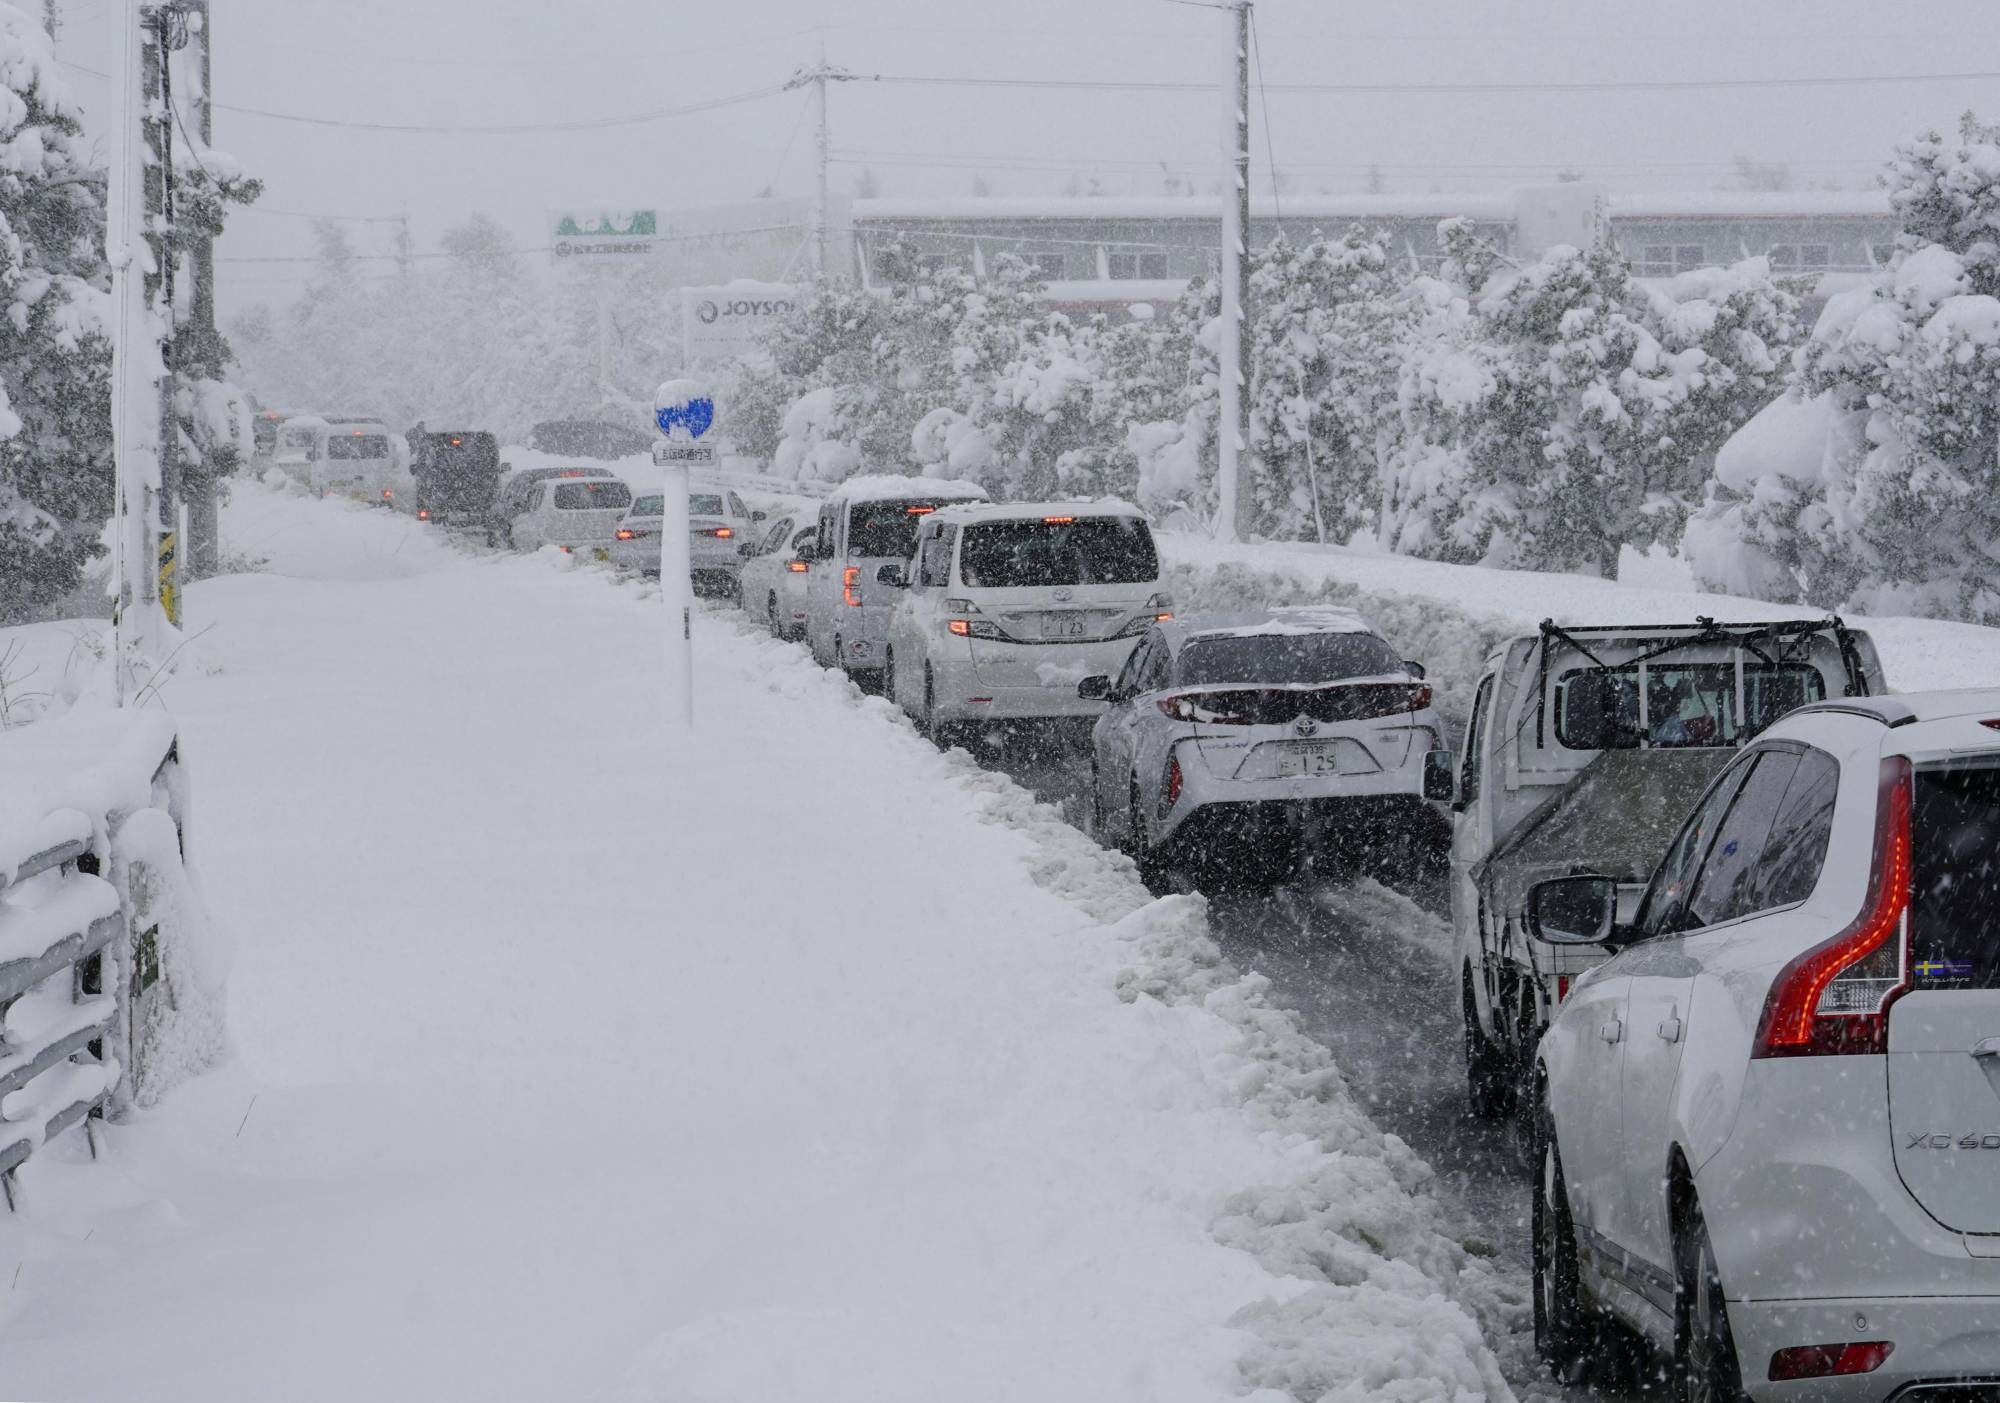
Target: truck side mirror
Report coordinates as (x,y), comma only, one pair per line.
(1440,776)
(1573,910)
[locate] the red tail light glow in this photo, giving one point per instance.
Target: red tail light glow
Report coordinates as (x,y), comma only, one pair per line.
(847,578)
(1174,780)
(625,535)
(797,567)
(1057,520)
(961,627)
(1562,987)
(1835,998)
(388,494)
(1823,1361)
(722,533)
(919,511)
(423,513)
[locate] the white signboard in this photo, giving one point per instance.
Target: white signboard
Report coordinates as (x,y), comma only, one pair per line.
(603,236)
(681,453)
(720,323)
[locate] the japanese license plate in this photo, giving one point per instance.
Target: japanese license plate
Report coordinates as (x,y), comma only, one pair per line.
(1064,626)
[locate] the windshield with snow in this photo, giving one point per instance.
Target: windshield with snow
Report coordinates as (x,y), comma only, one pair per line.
(586,496)
(1285,658)
(886,528)
(1115,550)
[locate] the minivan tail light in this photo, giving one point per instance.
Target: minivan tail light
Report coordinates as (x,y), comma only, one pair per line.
(847,578)
(1834,999)
(1174,781)
(625,534)
(1823,1361)
(797,567)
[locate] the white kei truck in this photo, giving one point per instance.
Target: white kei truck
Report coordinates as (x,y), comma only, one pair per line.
(1585,748)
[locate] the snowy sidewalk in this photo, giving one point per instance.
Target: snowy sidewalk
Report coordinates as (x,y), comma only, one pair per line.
(792,1065)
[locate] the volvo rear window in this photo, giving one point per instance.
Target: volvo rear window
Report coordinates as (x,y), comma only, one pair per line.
(1955,878)
(1103,550)
(1688,704)
(1286,658)
(349,446)
(592,496)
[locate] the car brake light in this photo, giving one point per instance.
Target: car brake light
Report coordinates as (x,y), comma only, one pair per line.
(722,533)
(961,627)
(1562,987)
(973,628)
(1822,1361)
(1161,618)
(919,511)
(388,494)
(847,578)
(1835,998)
(797,567)
(423,513)
(625,535)
(455,443)
(1174,780)
(1057,520)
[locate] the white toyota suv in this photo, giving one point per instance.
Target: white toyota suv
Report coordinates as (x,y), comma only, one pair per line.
(1005,609)
(1768,1128)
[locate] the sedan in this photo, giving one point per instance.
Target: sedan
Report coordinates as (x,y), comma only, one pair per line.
(772,581)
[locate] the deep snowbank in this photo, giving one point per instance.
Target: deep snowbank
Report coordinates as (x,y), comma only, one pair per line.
(574,1060)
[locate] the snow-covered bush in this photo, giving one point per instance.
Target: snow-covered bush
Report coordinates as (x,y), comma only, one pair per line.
(1551,413)
(1880,487)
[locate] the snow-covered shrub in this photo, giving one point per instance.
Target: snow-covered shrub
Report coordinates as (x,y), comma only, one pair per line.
(1550,414)
(1884,490)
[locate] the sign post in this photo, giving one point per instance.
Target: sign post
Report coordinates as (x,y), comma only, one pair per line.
(684,412)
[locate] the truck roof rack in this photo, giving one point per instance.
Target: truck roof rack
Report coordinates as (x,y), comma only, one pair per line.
(1887,710)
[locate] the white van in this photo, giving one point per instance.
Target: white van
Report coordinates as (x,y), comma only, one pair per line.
(1005,609)
(301,439)
(866,524)
(355,458)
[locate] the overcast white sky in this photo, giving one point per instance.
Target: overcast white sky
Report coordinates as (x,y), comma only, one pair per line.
(508,61)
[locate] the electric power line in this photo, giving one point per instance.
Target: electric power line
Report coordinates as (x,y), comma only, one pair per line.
(1508,86)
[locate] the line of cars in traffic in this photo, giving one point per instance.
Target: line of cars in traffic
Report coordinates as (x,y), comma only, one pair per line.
(1726,908)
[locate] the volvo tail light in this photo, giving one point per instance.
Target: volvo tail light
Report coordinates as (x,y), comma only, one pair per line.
(847,578)
(1835,998)
(1824,1361)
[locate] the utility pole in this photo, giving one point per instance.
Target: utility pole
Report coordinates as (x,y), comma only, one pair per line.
(819,75)
(1233,426)
(204,543)
(140,381)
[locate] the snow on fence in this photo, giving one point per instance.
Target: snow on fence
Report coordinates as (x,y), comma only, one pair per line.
(764,482)
(94,905)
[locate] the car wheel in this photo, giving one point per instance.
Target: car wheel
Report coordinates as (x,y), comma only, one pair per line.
(889,674)
(1563,1327)
(1705,1363)
(1486,1080)
(1151,868)
(942,734)
(771,617)
(1096,805)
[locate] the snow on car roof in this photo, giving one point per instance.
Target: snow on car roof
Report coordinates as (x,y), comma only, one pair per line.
(896,487)
(1286,621)
(1038,511)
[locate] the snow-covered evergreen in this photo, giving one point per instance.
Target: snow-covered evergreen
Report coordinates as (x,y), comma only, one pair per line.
(1877,484)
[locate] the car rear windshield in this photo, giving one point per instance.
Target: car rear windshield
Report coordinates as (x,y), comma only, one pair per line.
(1104,550)
(1286,658)
(357,446)
(649,506)
(589,496)
(700,504)
(1955,878)
(886,528)
(1689,704)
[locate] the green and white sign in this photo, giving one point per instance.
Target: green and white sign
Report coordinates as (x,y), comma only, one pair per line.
(603,236)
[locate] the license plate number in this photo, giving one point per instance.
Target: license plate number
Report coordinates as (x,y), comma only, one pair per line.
(1308,760)
(1063,626)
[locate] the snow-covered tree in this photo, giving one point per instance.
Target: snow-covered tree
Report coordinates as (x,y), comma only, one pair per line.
(1878,483)
(55,352)
(1554,412)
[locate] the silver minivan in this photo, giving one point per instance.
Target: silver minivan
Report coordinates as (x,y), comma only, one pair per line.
(866,524)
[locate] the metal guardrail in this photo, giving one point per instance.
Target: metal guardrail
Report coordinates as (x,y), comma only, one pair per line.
(761,482)
(56,1016)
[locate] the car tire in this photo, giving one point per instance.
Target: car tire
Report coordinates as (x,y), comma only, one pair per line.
(771,617)
(1150,866)
(1706,1369)
(1096,806)
(1564,1326)
(889,675)
(1488,1086)
(940,733)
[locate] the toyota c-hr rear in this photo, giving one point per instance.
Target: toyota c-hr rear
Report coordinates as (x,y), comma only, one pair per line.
(1769,1126)
(1255,741)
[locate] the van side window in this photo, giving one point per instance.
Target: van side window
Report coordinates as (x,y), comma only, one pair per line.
(1471,767)
(824,540)
(934,570)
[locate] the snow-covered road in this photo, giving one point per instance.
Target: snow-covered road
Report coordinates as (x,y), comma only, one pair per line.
(573,1063)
